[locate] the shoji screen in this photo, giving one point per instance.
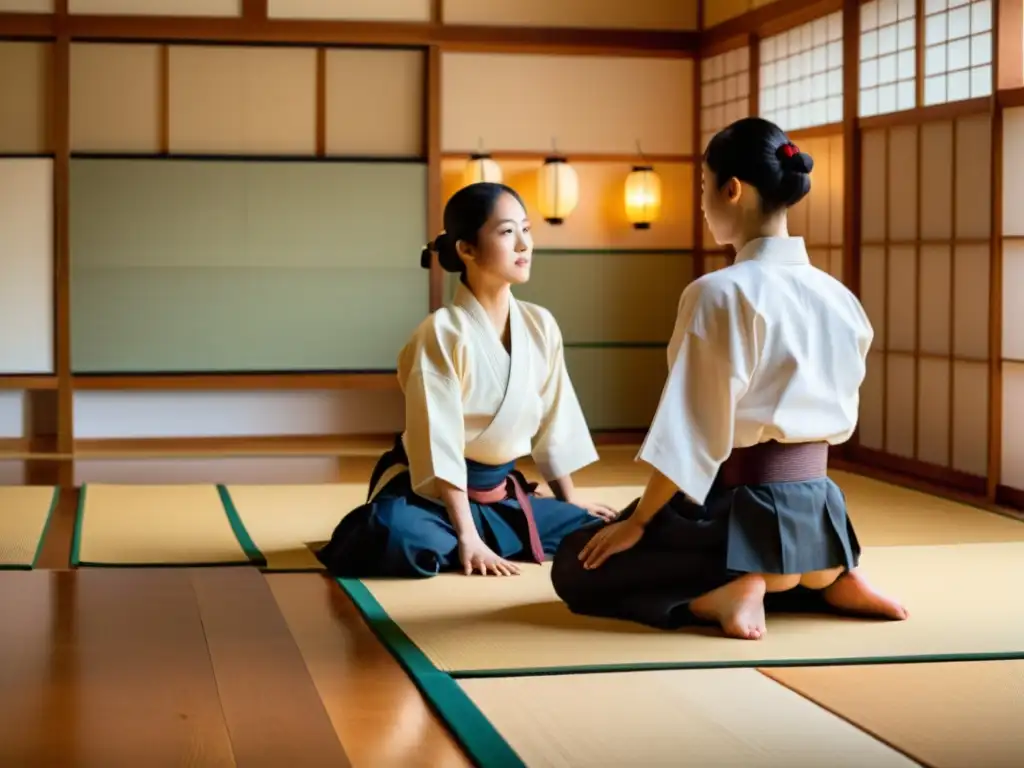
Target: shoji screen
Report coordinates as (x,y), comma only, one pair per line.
(925,250)
(1012,474)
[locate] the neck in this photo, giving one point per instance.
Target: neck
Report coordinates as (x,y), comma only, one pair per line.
(756,227)
(494,298)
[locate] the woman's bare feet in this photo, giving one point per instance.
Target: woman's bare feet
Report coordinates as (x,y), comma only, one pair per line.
(852,592)
(738,607)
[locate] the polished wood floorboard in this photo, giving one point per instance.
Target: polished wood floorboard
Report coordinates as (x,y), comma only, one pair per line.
(382,719)
(155,667)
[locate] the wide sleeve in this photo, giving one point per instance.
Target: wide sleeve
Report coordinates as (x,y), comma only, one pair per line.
(434,429)
(563,443)
(712,356)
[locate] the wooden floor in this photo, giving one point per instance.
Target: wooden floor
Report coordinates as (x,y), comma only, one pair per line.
(199,667)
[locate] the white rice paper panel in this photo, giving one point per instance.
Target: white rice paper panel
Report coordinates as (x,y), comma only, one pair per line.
(1013,300)
(157,7)
(970,417)
(933,411)
(872,285)
(900,392)
(935,310)
(902,319)
(236,414)
(971,301)
(351,10)
(1013,426)
(26,265)
(872,396)
(12,414)
(937,181)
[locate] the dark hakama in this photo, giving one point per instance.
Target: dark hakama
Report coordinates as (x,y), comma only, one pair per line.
(687,550)
(398,533)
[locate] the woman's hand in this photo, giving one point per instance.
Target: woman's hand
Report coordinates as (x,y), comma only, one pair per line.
(597,509)
(617,537)
(475,555)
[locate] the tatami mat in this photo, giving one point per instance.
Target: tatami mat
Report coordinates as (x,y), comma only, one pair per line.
(889,515)
(720,717)
(25,511)
(288,522)
(954,715)
(957,596)
(151,525)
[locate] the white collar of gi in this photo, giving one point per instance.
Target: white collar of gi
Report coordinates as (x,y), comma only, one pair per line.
(775,250)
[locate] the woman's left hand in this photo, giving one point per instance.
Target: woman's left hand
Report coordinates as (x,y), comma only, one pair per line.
(615,538)
(600,510)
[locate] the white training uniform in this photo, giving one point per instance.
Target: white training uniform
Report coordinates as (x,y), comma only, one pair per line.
(771,348)
(466,397)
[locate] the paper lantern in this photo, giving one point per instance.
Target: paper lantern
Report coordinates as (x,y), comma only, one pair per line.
(643,197)
(481,167)
(558,190)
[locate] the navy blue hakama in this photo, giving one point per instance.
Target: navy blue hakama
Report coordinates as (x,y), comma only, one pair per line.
(399,533)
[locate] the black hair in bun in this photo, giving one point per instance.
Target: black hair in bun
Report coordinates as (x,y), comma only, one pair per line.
(465,214)
(759,153)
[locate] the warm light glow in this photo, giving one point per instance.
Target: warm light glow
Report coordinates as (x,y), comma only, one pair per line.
(643,197)
(558,190)
(481,168)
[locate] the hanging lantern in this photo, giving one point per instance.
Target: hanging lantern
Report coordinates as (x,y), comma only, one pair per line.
(481,167)
(643,197)
(558,190)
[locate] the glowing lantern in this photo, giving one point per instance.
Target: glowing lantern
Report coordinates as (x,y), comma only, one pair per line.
(558,190)
(481,167)
(643,197)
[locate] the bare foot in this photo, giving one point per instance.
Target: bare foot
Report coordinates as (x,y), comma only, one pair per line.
(738,607)
(852,592)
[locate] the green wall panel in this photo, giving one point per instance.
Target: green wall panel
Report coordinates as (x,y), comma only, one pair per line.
(236,265)
(618,387)
(609,297)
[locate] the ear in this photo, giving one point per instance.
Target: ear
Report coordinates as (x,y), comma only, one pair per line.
(466,251)
(733,190)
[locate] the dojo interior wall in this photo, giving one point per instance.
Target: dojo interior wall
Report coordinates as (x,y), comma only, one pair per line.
(285,234)
(613,289)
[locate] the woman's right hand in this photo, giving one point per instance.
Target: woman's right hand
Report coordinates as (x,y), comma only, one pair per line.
(476,555)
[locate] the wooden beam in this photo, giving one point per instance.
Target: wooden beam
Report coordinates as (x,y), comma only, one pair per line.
(63,419)
(582,157)
(254,27)
(995,297)
(771,19)
(27,383)
(28,25)
(432,139)
(236,381)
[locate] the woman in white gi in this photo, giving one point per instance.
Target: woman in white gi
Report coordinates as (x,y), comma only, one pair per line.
(485,384)
(764,369)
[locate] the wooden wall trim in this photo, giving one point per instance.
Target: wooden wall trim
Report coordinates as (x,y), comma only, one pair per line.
(943,476)
(435,193)
(995,298)
(28,383)
(771,19)
(61,143)
(255,27)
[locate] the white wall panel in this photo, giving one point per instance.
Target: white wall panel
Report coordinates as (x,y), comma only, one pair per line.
(26,265)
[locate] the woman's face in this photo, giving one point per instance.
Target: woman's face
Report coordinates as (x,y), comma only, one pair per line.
(721,206)
(504,248)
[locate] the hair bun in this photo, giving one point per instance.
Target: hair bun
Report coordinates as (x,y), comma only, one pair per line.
(425,255)
(793,160)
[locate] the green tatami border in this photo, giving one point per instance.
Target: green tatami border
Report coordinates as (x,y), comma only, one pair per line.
(245,540)
(471,728)
(31,565)
(241,536)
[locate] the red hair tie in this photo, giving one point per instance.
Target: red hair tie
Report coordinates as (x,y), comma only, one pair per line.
(790,150)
